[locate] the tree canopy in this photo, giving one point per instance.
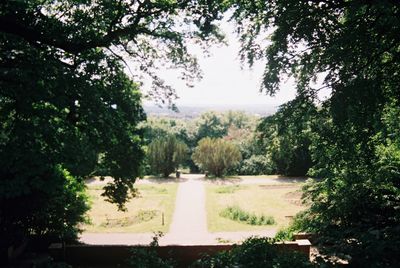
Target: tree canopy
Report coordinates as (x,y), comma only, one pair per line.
(354,47)
(67,104)
(286,137)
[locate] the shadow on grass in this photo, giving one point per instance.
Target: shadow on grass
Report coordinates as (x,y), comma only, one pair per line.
(160,180)
(257,179)
(98,181)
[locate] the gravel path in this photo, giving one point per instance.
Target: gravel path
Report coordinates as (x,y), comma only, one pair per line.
(189,223)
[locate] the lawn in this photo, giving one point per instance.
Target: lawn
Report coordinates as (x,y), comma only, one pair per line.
(144,213)
(278,201)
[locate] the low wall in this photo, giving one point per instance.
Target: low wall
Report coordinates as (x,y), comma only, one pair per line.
(113,255)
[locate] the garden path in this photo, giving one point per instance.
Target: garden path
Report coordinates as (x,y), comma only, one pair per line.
(189,223)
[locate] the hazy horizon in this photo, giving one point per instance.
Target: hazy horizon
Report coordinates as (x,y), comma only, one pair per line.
(225,80)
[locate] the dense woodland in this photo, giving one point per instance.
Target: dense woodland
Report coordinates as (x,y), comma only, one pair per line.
(69,109)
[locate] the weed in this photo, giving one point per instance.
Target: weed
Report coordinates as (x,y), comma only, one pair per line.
(237,214)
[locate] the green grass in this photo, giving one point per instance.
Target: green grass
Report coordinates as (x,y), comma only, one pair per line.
(144,212)
(276,201)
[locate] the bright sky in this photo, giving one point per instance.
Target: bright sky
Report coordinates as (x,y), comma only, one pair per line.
(224,82)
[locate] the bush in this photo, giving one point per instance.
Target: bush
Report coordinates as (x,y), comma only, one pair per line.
(255,165)
(237,214)
(284,234)
(52,210)
(298,224)
(216,155)
(255,252)
(147,257)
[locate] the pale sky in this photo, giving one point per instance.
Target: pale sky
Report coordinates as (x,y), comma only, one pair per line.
(224,82)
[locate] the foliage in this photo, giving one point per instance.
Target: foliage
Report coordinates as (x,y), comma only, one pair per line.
(158,127)
(45,207)
(255,165)
(241,131)
(166,154)
(297,225)
(234,126)
(284,234)
(147,257)
(215,155)
(239,120)
(286,137)
(353,47)
(237,214)
(211,125)
(66,102)
(255,252)
(183,129)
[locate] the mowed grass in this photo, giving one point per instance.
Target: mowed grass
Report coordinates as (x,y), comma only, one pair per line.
(278,201)
(144,213)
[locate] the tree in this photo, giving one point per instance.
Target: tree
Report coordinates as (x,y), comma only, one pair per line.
(239,119)
(286,137)
(166,154)
(216,155)
(210,125)
(241,132)
(183,129)
(354,47)
(67,105)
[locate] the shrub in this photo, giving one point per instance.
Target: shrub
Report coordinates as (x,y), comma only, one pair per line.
(147,257)
(255,252)
(216,155)
(298,224)
(256,165)
(237,214)
(44,213)
(284,234)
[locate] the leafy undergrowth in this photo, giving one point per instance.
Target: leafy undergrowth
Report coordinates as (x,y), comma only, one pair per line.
(255,252)
(237,214)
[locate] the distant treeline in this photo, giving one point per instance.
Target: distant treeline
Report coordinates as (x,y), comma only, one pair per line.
(264,144)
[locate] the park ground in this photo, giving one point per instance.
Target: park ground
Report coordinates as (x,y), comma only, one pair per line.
(187,210)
